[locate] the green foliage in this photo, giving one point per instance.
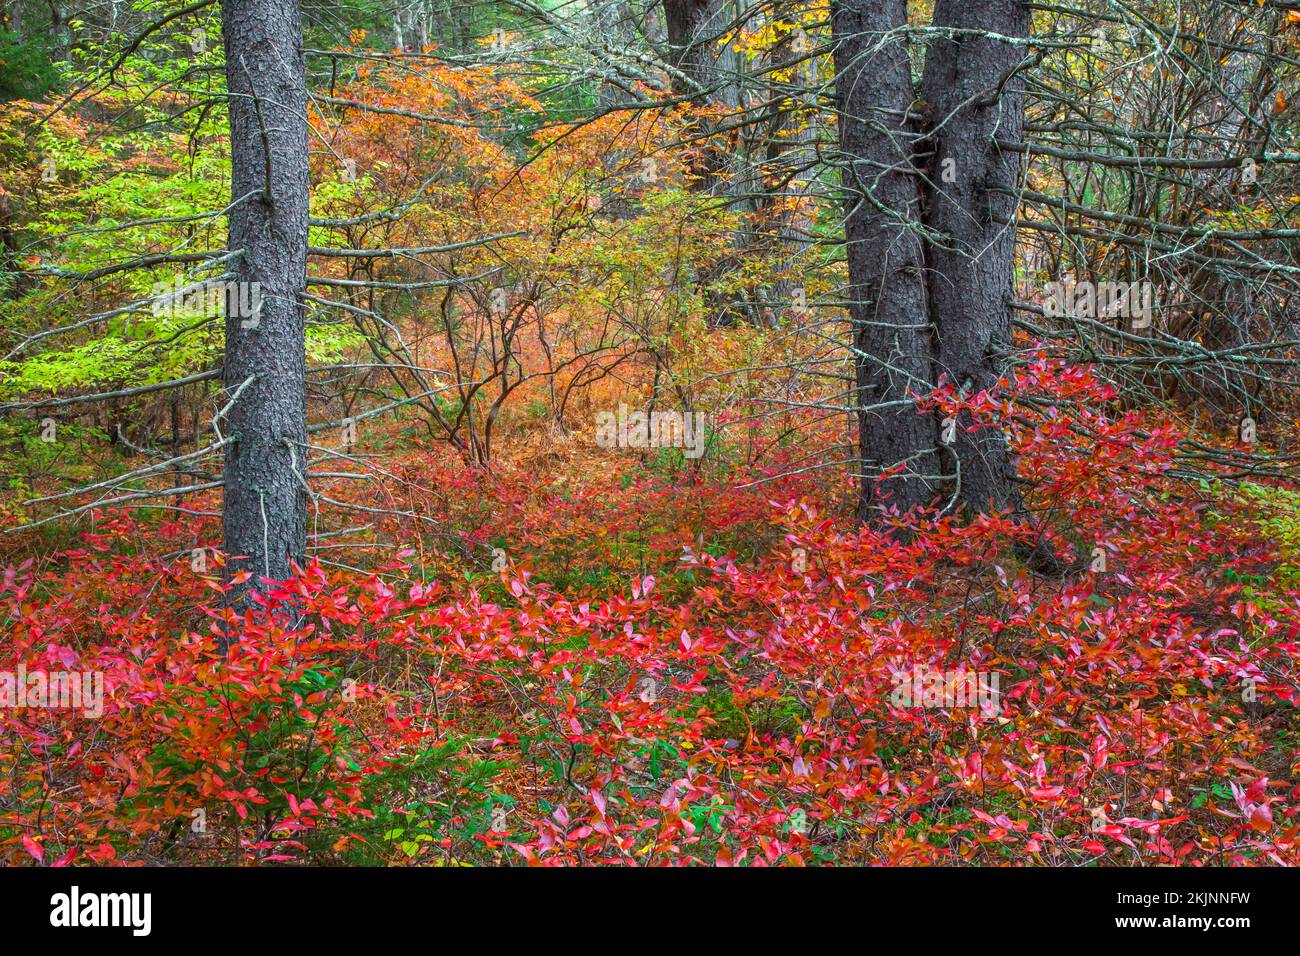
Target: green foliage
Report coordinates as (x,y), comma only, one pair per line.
(330,342)
(26,72)
(1279,510)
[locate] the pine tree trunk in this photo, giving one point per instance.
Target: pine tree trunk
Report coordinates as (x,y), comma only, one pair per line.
(264,517)
(976,98)
(886,256)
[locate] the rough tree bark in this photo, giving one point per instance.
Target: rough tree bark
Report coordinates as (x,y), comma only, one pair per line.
(264,516)
(888,299)
(59,31)
(714,77)
(930,261)
(976,98)
(692,28)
